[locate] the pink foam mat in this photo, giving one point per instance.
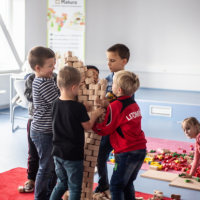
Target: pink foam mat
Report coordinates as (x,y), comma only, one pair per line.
(155,143)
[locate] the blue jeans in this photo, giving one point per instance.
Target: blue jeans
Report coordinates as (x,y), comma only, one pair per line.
(104,151)
(70,175)
(46,171)
(127,166)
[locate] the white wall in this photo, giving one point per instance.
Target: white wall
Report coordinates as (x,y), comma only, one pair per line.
(163,37)
(35,24)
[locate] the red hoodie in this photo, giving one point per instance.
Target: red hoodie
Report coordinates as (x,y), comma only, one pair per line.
(123,123)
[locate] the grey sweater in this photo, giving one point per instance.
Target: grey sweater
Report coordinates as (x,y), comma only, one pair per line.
(28,92)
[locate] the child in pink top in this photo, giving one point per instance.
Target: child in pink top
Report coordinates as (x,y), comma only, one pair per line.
(191,128)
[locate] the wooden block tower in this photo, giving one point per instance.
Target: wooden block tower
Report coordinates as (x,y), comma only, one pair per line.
(88,94)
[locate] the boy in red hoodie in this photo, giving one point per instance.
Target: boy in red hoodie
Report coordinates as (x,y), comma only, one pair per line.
(123,123)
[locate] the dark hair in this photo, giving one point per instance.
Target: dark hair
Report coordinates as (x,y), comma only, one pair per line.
(38,55)
(121,49)
(92,67)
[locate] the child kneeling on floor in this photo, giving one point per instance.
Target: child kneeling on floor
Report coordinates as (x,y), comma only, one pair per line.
(123,123)
(70,119)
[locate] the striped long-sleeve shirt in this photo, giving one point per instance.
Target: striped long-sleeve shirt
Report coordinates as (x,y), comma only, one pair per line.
(45,91)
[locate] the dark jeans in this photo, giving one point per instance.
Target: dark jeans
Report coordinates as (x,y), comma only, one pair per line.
(70,175)
(33,158)
(104,151)
(45,175)
(127,166)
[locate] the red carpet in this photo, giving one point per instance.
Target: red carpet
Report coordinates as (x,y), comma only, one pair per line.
(10,180)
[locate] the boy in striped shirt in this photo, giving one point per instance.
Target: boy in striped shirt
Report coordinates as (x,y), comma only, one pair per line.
(45,91)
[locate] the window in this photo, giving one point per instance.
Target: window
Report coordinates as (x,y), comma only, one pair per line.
(13,15)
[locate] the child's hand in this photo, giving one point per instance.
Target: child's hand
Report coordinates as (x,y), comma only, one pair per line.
(98,112)
(187,175)
(102,102)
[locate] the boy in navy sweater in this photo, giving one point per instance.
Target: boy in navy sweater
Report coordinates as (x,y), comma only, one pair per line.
(123,124)
(45,91)
(117,56)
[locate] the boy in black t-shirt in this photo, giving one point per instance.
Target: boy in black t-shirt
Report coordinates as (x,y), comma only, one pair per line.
(69,119)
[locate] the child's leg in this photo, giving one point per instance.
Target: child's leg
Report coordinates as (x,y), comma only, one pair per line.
(104,151)
(125,172)
(33,158)
(62,181)
(43,143)
(75,177)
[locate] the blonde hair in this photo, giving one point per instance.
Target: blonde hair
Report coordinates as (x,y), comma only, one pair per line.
(68,76)
(127,81)
(191,121)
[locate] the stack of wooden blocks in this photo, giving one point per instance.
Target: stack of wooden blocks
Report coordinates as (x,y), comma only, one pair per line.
(88,94)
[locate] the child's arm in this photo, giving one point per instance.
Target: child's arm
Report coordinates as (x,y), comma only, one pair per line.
(49,92)
(28,88)
(89,124)
(196,159)
(110,123)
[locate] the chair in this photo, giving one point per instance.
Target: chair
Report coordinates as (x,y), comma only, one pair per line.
(19,86)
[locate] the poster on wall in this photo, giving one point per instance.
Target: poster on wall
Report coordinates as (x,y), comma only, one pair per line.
(66,28)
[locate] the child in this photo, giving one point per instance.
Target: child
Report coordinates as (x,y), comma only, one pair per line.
(45,91)
(95,71)
(33,158)
(123,124)
(117,56)
(191,128)
(70,118)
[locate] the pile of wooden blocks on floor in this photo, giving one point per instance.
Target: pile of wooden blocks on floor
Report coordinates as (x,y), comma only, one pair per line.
(102,196)
(157,195)
(88,93)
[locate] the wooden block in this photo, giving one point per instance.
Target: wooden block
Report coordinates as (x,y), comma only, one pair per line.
(70,64)
(89,80)
(93,147)
(97,142)
(93,135)
(99,137)
(87,134)
(90,92)
(85,174)
(103,81)
(163,176)
(89,73)
(88,180)
(93,164)
(90,140)
(71,59)
(103,87)
(90,103)
(93,97)
(81,69)
(88,169)
(92,86)
(89,195)
(89,185)
(97,87)
(78,64)
(94,108)
(102,97)
(85,145)
(180,182)
(83,195)
(69,54)
(86,163)
(87,190)
(91,175)
(84,91)
(82,87)
(84,184)
(82,98)
(91,158)
(88,152)
(95,153)
(151,167)
(102,93)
